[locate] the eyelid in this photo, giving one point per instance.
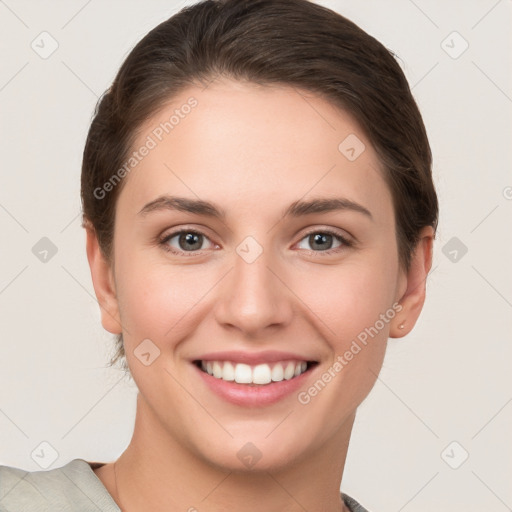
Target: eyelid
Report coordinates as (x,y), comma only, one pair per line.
(331,231)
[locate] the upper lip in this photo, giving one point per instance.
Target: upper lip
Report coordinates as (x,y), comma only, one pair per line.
(253,358)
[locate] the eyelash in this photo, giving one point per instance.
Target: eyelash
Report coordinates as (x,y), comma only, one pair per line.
(346,243)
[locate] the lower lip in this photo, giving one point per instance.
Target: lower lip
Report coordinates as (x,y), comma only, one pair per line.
(253,395)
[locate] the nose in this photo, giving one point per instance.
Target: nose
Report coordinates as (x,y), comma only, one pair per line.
(253,297)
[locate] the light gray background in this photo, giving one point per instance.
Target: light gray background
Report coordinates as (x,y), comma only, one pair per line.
(449,380)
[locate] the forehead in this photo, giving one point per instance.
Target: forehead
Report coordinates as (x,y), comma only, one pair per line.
(245,145)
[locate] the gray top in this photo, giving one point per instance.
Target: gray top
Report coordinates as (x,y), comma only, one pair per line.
(70,488)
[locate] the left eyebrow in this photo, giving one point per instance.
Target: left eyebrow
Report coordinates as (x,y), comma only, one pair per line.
(324,205)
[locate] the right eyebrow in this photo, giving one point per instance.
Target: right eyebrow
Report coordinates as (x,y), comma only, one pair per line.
(184,204)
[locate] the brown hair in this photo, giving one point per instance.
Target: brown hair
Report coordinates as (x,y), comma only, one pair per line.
(286,42)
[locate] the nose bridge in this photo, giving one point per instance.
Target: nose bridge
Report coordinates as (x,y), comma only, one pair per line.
(253,297)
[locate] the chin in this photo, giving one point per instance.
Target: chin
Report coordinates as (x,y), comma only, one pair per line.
(258,455)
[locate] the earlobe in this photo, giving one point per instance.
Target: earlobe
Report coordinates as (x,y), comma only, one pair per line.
(103,282)
(413,298)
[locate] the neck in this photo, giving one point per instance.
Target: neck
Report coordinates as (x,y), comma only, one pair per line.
(157,472)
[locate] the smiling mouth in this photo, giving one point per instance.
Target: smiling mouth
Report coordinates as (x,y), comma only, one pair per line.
(260,374)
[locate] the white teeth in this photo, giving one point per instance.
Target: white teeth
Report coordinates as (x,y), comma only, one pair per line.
(260,374)
(228,372)
(217,370)
(289,371)
(243,374)
(277,373)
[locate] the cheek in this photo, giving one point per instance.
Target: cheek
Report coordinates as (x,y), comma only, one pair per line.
(355,307)
(357,339)
(349,299)
(154,297)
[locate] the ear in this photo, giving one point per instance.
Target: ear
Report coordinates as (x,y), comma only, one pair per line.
(413,285)
(103,282)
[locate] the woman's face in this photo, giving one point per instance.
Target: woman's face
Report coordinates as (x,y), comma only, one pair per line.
(254,286)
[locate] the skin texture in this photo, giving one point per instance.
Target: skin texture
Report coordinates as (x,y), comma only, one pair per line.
(252,151)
